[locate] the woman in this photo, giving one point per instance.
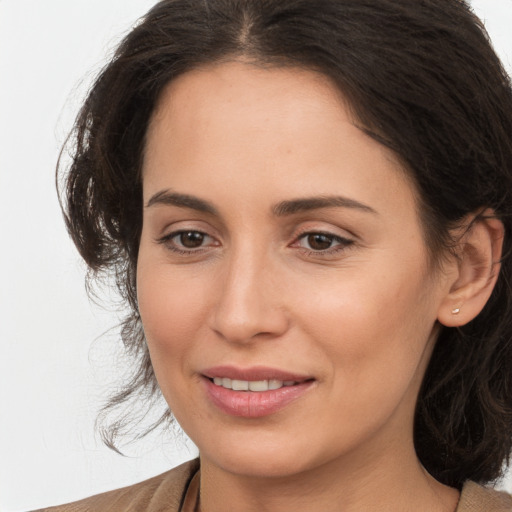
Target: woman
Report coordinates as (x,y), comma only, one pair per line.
(306,204)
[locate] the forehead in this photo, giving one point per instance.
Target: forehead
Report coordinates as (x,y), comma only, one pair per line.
(284,130)
(236,97)
(248,81)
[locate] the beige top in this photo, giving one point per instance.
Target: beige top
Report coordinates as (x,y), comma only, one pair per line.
(177,490)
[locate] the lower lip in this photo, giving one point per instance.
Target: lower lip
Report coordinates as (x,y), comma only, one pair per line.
(254,404)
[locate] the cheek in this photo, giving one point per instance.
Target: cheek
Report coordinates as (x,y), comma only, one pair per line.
(172,313)
(171,310)
(372,323)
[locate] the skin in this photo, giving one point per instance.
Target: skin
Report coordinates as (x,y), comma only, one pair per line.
(358,316)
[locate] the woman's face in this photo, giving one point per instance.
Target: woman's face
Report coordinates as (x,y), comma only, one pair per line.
(281,255)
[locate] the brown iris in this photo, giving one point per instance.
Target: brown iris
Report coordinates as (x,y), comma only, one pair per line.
(319,241)
(192,239)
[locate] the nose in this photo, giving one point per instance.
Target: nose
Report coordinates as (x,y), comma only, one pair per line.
(250,303)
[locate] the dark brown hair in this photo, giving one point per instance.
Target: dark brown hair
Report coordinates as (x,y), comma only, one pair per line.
(422,79)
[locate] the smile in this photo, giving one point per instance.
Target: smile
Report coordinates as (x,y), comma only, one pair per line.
(252,385)
(253,392)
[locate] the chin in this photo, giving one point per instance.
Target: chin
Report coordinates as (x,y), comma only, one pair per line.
(258,464)
(266,456)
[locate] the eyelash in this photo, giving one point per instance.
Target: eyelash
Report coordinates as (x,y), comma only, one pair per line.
(167,241)
(343,243)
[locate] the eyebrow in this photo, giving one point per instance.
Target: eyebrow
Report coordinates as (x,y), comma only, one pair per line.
(169,198)
(294,206)
(281,209)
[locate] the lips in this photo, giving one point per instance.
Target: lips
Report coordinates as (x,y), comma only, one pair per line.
(253,392)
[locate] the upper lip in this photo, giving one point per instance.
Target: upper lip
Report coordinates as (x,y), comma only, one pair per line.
(253,373)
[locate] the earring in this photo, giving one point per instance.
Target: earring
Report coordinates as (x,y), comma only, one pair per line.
(455,311)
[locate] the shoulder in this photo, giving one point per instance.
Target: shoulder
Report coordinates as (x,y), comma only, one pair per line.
(476,498)
(162,493)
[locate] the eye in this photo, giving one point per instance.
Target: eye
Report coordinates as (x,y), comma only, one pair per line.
(187,241)
(317,242)
(190,239)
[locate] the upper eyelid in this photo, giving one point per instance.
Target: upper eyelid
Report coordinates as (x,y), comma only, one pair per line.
(344,244)
(179,226)
(171,230)
(338,232)
(293,233)
(343,240)
(320,231)
(174,233)
(340,239)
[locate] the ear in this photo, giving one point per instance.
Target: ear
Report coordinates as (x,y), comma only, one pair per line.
(476,270)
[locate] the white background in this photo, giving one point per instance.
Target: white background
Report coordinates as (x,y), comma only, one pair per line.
(54,366)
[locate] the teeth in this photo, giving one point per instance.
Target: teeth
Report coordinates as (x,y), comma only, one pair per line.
(275,384)
(258,385)
(251,385)
(239,385)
